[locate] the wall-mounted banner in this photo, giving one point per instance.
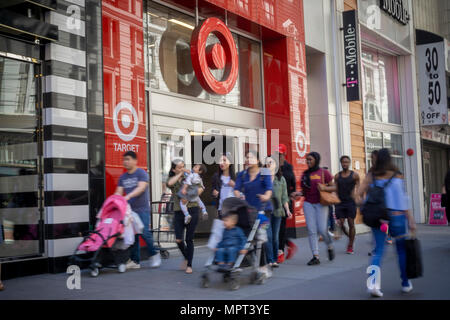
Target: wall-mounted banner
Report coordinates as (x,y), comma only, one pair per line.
(352,55)
(432,83)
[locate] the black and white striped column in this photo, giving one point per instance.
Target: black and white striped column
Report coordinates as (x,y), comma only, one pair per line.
(66,182)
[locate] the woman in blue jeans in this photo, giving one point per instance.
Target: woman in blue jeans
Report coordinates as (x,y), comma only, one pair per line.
(400,216)
(280,201)
(255,184)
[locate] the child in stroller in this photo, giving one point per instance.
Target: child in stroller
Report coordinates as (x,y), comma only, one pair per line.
(107,245)
(252,225)
(232,243)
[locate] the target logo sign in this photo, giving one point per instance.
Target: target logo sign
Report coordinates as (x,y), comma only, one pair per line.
(300,143)
(125,121)
(221,55)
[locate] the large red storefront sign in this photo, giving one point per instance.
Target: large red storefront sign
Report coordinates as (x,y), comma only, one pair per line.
(284,59)
(221,55)
(124,86)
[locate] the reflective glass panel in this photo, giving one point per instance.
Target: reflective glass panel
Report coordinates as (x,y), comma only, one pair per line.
(19,212)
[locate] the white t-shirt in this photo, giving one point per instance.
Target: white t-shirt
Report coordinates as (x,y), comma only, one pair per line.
(226,191)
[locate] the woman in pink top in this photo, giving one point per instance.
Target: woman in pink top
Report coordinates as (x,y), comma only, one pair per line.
(316,215)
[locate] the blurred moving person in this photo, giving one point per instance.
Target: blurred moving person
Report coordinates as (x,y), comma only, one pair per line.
(385,175)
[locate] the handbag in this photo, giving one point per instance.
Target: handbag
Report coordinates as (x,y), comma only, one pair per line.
(414,266)
(328,198)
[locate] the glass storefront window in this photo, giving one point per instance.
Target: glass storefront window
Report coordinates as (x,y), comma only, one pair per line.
(169,67)
(377,140)
(381,87)
(19,175)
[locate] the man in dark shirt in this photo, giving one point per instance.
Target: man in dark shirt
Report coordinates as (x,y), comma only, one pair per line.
(288,173)
(134,183)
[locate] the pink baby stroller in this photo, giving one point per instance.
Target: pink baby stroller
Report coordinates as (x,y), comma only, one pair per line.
(105,246)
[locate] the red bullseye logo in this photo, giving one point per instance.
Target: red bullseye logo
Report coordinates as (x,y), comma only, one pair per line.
(221,55)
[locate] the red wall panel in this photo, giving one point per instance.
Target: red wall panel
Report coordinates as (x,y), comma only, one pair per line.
(124,85)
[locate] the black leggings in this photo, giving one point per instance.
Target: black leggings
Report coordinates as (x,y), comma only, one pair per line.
(186,245)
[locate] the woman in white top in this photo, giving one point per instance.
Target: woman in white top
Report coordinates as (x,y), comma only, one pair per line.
(223,181)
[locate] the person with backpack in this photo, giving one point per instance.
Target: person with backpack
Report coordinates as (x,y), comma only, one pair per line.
(384,201)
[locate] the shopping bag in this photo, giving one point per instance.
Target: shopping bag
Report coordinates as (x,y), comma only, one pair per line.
(414,267)
(138,226)
(128,232)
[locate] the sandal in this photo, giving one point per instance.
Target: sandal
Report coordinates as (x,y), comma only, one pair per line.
(188,270)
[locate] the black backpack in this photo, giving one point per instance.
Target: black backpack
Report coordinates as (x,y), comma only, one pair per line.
(374,209)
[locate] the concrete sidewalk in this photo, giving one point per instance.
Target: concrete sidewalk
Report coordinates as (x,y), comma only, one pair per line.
(344,278)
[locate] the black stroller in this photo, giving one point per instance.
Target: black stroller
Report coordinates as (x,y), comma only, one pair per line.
(250,222)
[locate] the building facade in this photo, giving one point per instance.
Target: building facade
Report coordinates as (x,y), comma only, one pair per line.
(432,28)
(178,79)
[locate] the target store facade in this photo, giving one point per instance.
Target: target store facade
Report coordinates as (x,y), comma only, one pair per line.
(162,78)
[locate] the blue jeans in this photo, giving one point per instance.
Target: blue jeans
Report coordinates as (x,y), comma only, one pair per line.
(275,224)
(135,250)
(227,255)
(268,246)
(397,227)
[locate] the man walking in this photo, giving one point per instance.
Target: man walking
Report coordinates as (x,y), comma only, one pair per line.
(347,182)
(135,184)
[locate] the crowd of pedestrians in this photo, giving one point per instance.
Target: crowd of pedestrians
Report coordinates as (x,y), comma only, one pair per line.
(271,188)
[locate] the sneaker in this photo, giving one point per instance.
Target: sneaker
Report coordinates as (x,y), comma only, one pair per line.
(331,234)
(408,288)
(155,261)
(292,249)
(275,265)
(280,258)
(331,254)
(133,265)
(375,292)
(350,250)
(187,219)
(313,261)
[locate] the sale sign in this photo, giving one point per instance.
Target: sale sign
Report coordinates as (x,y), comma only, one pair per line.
(432,84)
(437,213)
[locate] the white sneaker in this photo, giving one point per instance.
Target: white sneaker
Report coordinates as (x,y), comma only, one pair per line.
(408,288)
(155,261)
(187,219)
(375,292)
(331,234)
(133,265)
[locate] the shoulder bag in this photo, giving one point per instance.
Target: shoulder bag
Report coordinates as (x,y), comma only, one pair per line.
(328,198)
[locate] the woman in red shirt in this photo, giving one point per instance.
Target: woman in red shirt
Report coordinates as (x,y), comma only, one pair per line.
(316,215)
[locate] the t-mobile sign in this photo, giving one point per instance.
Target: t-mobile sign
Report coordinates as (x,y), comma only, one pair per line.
(351,47)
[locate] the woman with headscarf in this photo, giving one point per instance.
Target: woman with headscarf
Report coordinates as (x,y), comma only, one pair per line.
(314,180)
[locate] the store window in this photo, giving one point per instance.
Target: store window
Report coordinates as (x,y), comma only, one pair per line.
(393,142)
(381,87)
(20,215)
(169,67)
